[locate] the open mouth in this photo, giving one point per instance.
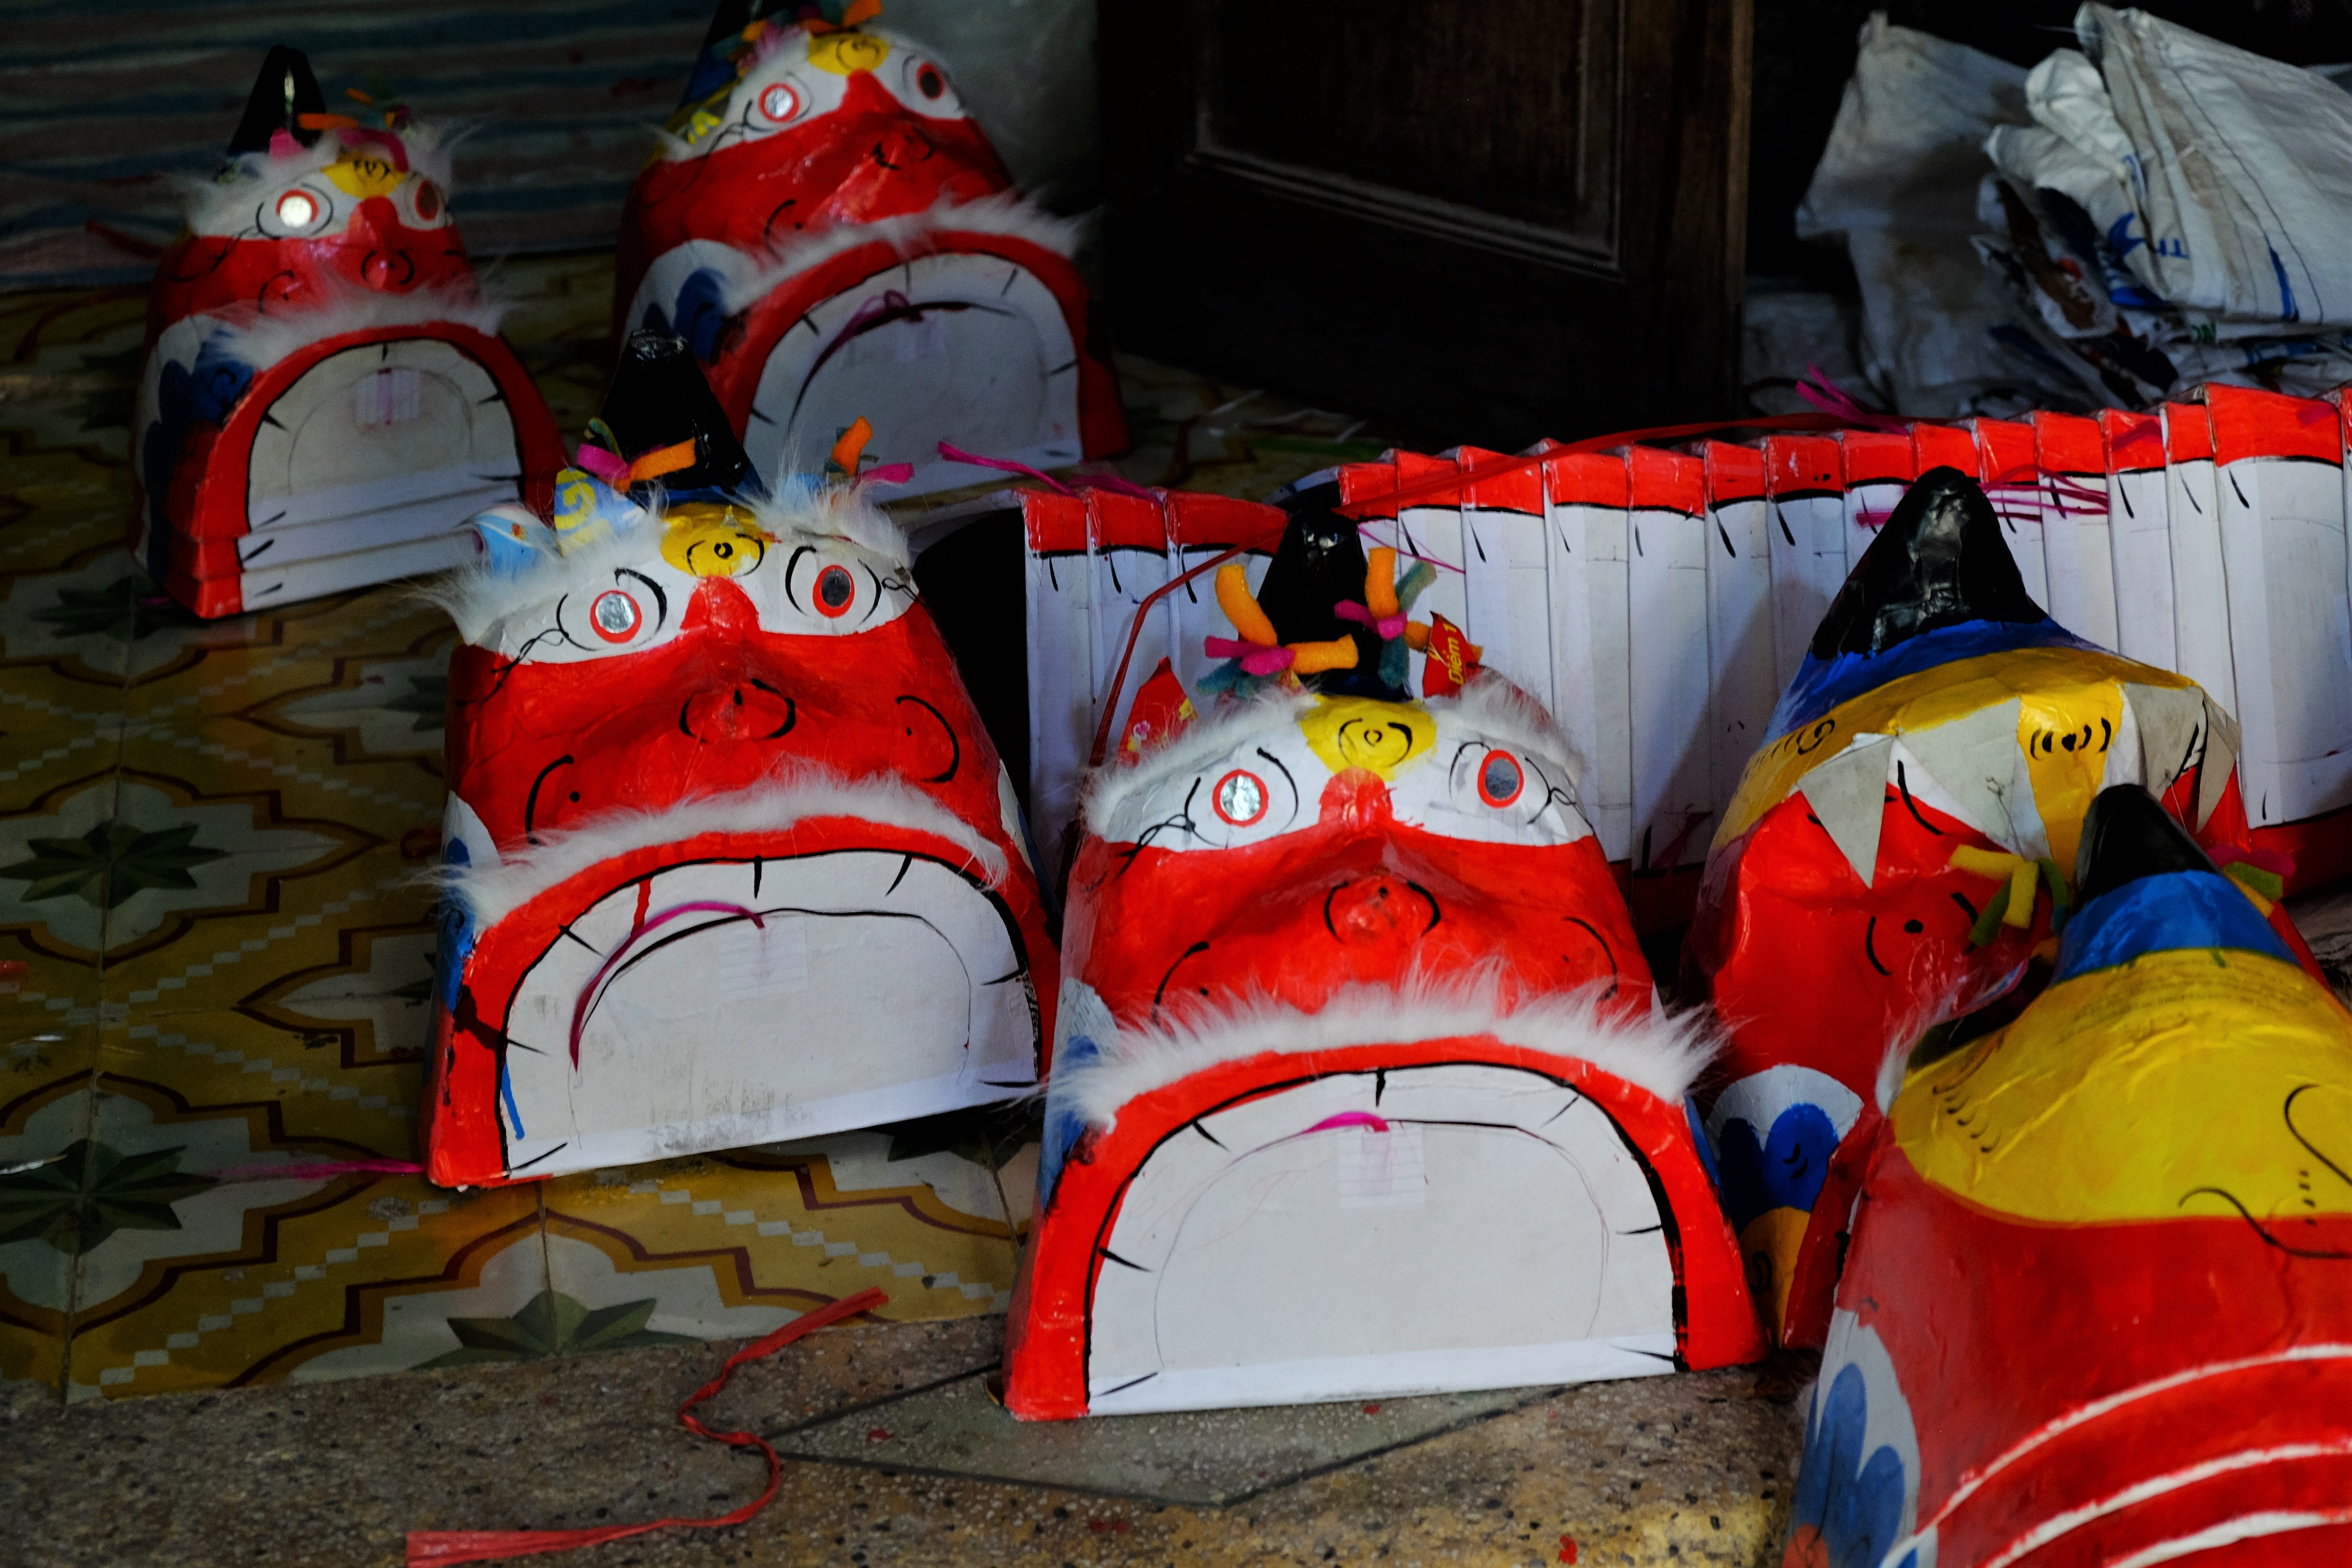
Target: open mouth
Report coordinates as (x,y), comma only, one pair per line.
(960,347)
(731,1002)
(387,442)
(1368,1233)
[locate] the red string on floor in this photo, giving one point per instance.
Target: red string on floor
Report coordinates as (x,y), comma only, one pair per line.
(433,1548)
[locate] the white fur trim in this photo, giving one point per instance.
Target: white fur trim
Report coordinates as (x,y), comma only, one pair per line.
(911,234)
(1661,1052)
(1511,717)
(262,340)
(1488,707)
(223,204)
(491,893)
(1223,728)
(479,596)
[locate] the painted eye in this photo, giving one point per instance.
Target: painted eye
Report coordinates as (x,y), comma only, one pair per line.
(1240,798)
(427,200)
(929,82)
(297,209)
(1500,779)
(836,590)
(615,616)
(781,103)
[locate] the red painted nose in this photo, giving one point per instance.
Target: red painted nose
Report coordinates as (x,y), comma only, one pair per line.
(1378,910)
(903,147)
(746,710)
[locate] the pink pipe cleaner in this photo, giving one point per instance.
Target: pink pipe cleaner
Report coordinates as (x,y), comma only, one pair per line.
(1115,483)
(609,467)
(1390,627)
(1816,388)
(588,993)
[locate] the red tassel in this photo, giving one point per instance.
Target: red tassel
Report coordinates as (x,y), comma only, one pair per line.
(432,1548)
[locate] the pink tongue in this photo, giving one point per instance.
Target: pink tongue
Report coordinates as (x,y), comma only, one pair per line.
(1351,1118)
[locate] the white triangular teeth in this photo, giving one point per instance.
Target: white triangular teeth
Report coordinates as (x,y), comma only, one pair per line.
(1848,793)
(1974,763)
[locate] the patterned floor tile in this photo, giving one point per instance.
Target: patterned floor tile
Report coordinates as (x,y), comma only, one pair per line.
(737,1243)
(227,1272)
(291,858)
(45,1109)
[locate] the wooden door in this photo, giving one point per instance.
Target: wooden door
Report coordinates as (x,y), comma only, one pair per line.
(1486,220)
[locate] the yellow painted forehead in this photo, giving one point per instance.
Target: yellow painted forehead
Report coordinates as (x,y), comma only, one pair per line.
(710,539)
(1360,732)
(358,173)
(845,54)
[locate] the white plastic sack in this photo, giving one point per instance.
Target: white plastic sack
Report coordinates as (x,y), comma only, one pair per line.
(1898,182)
(2243,171)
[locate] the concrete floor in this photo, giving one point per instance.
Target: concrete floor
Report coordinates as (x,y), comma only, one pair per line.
(1692,1469)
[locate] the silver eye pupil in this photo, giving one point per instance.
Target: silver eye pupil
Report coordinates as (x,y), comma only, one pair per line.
(615,612)
(1241,799)
(1499,779)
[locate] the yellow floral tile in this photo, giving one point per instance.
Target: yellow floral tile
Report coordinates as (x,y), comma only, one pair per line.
(45,1107)
(184,666)
(322,1090)
(214,1269)
(762,1234)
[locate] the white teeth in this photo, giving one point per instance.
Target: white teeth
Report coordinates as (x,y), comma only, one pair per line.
(2171,727)
(1848,792)
(1975,761)
(2127,760)
(2220,757)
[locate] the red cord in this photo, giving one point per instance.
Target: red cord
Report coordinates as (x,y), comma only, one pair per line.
(1134,632)
(433,1548)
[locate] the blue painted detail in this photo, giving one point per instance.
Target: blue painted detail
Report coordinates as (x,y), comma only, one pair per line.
(457,942)
(1698,1136)
(1821,684)
(1856,1505)
(188,396)
(700,317)
(1064,1125)
(507,1098)
(2287,312)
(1784,1170)
(2161,914)
(2120,236)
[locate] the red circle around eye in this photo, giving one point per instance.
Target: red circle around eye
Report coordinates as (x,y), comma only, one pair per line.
(929,82)
(836,590)
(780,103)
(1500,779)
(1241,799)
(298,209)
(427,200)
(616,616)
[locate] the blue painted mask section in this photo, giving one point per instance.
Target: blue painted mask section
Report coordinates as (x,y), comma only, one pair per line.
(1784,1169)
(189,397)
(1821,684)
(457,941)
(1856,1504)
(1698,1136)
(699,318)
(1064,1125)
(2171,910)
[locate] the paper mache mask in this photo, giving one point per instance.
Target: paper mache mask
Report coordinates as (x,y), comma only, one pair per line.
(2097,1298)
(326,397)
(1893,857)
(835,238)
(1350,998)
(730,858)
